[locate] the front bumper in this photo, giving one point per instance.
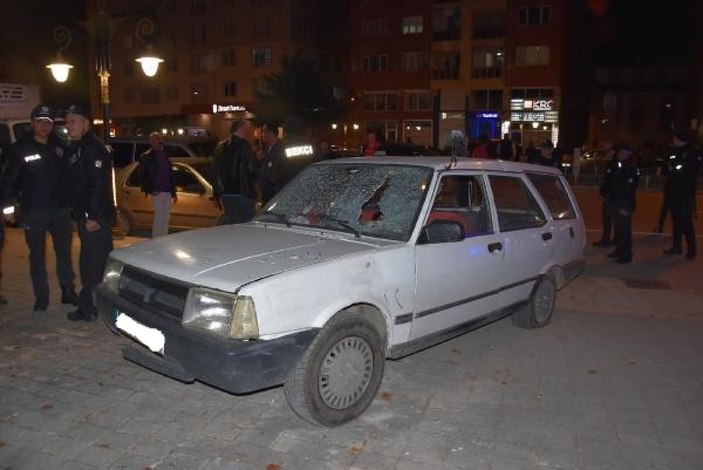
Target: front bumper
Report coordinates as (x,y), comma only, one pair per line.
(233,365)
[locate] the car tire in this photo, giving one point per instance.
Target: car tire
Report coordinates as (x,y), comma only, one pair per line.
(125,221)
(538,311)
(339,374)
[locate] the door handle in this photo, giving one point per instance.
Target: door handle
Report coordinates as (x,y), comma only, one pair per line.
(547,236)
(497,246)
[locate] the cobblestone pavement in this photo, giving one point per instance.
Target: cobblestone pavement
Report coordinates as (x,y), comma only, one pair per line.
(613,383)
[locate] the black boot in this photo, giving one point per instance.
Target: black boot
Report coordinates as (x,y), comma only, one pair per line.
(69,296)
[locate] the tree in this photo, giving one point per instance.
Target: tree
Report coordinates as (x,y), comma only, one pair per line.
(300,92)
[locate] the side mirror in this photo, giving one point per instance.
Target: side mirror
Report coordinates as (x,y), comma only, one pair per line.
(441,231)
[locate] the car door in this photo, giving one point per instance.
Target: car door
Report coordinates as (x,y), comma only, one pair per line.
(457,281)
(194,207)
(526,238)
(566,221)
(134,201)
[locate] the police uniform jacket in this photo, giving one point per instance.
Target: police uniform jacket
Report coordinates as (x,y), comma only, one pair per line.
(610,168)
(624,186)
(271,177)
(88,179)
(33,173)
(683,165)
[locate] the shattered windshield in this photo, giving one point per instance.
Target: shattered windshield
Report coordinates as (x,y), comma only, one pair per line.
(366,200)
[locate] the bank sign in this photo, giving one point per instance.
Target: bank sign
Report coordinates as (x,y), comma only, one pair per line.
(537,110)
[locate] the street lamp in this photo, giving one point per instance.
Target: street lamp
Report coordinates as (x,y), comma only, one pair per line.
(145,29)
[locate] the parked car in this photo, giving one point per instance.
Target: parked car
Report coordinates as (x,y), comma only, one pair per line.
(355,261)
(195,207)
(126,150)
(593,162)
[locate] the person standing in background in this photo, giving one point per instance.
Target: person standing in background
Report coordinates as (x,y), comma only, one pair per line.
(606,189)
(622,203)
(157,180)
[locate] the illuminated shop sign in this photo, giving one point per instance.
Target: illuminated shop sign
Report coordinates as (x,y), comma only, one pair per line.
(227,108)
(299,150)
(486,115)
(548,116)
(532,105)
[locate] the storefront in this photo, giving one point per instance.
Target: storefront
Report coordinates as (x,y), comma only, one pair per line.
(216,117)
(534,120)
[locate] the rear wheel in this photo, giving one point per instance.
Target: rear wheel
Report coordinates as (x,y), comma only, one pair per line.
(538,311)
(338,376)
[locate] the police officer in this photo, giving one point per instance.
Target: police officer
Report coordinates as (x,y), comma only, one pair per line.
(622,203)
(89,188)
(605,191)
(33,173)
(682,167)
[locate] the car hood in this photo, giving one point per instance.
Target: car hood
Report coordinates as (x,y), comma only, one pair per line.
(230,256)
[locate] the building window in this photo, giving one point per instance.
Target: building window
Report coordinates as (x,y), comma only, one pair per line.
(172,64)
(197,63)
(526,56)
(231,88)
(261,27)
(532,93)
(417,132)
(412,61)
(488,62)
(385,129)
(418,101)
(446,65)
(150,96)
(261,57)
(446,22)
(488,24)
(228,28)
(374,28)
(379,102)
(487,99)
(172,93)
(374,63)
(198,34)
(229,58)
(412,24)
(130,95)
(198,92)
(534,15)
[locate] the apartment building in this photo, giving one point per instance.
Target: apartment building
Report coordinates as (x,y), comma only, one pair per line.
(488,67)
(217,54)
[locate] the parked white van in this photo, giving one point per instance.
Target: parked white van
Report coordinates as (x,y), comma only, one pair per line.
(355,261)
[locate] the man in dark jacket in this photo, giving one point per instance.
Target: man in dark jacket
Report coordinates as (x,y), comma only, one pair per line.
(33,173)
(683,165)
(89,190)
(622,203)
(157,181)
(271,172)
(605,191)
(234,176)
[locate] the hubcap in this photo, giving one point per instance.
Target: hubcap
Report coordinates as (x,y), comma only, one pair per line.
(543,302)
(345,372)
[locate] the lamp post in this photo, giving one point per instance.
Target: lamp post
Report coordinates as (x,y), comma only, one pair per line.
(144,30)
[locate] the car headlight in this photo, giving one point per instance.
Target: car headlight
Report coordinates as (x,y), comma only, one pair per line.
(113,271)
(226,315)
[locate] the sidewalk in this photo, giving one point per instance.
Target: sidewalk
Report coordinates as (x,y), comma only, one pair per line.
(613,383)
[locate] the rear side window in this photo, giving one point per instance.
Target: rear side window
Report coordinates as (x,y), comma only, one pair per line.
(554,194)
(517,208)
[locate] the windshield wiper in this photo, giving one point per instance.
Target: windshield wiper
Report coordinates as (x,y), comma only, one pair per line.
(341,223)
(278,216)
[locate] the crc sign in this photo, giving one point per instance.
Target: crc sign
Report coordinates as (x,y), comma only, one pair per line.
(543,105)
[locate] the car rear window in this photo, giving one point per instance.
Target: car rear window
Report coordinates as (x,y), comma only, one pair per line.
(554,194)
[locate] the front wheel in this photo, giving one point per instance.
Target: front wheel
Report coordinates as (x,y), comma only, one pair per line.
(339,374)
(538,311)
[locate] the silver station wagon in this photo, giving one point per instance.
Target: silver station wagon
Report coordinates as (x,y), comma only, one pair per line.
(354,262)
